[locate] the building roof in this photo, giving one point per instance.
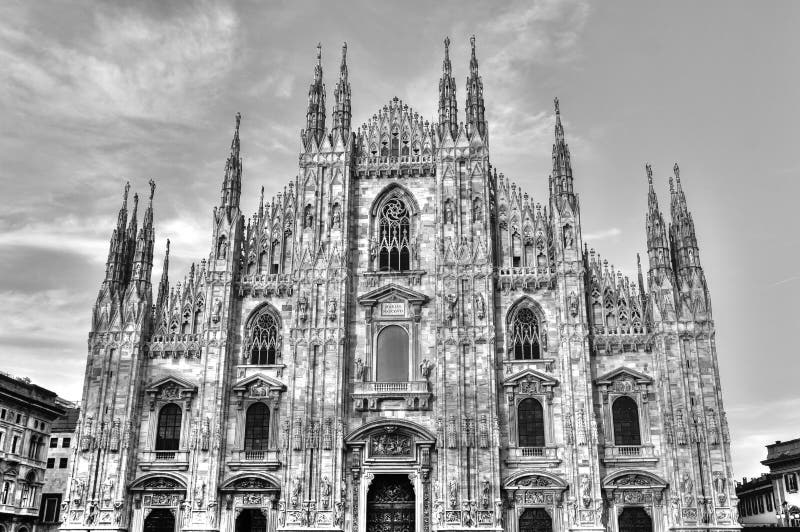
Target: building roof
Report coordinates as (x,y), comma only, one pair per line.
(780,452)
(23,392)
(67,422)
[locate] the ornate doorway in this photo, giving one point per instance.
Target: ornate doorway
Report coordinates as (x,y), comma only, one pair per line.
(535,520)
(391,504)
(160,520)
(251,520)
(635,519)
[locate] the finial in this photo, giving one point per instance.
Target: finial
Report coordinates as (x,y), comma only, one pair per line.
(677,171)
(238,120)
(166,254)
(639,263)
(558,109)
(135,201)
(472,43)
(344,51)
(125,194)
(319,53)
(152,190)
(649,170)
(446,44)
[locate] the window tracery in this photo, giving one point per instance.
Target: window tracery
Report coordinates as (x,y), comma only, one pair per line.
(262,339)
(394,227)
(525,342)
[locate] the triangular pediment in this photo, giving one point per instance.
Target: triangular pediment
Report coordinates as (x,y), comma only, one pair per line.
(260,381)
(392,292)
(624,373)
(530,375)
(171,382)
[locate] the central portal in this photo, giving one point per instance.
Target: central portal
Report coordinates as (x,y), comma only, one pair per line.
(390,504)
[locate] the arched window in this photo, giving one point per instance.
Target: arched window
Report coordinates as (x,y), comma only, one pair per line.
(276,256)
(392,358)
(626,422)
(262,339)
(394,226)
(530,423)
(256,428)
(168,435)
(525,341)
(395,145)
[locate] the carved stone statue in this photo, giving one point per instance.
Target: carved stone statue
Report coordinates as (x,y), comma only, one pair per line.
(452,490)
(569,237)
(359,369)
(425,368)
(107,492)
(297,486)
(325,492)
(217,313)
(486,491)
(480,307)
(572,303)
(687,487)
(452,299)
(586,490)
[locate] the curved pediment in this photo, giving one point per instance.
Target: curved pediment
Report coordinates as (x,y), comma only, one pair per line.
(633,478)
(162,481)
(251,481)
(537,480)
(389,426)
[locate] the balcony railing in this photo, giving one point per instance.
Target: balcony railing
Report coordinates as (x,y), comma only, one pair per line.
(532,451)
(252,459)
(164,460)
(629,454)
(533,455)
(368,395)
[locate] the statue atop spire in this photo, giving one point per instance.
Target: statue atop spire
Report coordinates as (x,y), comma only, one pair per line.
(657,240)
(476,110)
(448,108)
(315,115)
(562,166)
(342,114)
(232,183)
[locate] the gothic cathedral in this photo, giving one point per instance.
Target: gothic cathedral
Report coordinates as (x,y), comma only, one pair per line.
(402,340)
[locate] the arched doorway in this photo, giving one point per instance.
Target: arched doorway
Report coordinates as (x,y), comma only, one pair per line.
(160,520)
(535,520)
(635,519)
(390,504)
(251,520)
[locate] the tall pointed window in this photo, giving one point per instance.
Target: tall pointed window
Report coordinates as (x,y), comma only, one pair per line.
(256,428)
(516,250)
(262,338)
(168,435)
(394,253)
(626,422)
(525,340)
(530,423)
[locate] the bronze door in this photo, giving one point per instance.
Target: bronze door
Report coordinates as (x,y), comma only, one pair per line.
(390,504)
(535,520)
(634,519)
(160,520)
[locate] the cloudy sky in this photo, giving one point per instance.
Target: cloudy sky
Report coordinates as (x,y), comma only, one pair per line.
(94,94)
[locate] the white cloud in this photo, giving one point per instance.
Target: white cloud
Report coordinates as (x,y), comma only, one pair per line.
(603,234)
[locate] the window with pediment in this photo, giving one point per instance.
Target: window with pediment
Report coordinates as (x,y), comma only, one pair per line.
(625,414)
(262,341)
(525,335)
(624,393)
(530,423)
(530,416)
(394,233)
(392,357)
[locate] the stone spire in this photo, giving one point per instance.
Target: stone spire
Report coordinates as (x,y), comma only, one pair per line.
(129,246)
(562,167)
(232,184)
(686,254)
(448,108)
(315,116)
(143,257)
(115,264)
(342,112)
(657,241)
(475,107)
(163,285)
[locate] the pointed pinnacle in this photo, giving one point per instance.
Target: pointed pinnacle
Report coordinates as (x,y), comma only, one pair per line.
(555,102)
(166,253)
(152,190)
(319,53)
(677,172)
(125,195)
(649,170)
(238,120)
(135,204)
(671,185)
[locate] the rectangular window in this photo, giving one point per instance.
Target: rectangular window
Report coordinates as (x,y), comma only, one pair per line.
(62,463)
(769,502)
(790,479)
(2,413)
(14,444)
(65,443)
(19,418)
(760,501)
(2,441)
(49,509)
(51,463)
(53,442)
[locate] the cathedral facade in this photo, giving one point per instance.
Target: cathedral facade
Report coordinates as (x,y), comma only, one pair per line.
(403,340)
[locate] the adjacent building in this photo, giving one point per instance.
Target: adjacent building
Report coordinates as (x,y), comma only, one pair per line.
(756,502)
(403,339)
(783,460)
(27,412)
(60,453)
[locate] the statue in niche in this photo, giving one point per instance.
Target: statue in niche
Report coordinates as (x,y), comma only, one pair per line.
(438,513)
(476,210)
(107,491)
(687,486)
(569,237)
(586,490)
(480,306)
(199,492)
(295,493)
(572,303)
(448,212)
(325,492)
(222,249)
(308,221)
(486,490)
(302,308)
(452,488)
(359,369)
(425,368)
(217,313)
(338,514)
(337,216)
(332,309)
(452,299)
